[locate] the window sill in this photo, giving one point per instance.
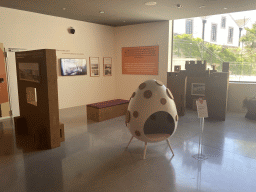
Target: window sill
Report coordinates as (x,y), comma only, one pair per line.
(242,82)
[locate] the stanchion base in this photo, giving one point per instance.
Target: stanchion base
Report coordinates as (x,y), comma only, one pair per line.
(199,157)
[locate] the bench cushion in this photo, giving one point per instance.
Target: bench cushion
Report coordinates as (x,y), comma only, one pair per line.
(109,103)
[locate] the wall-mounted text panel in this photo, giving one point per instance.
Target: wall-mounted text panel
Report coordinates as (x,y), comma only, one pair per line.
(140,60)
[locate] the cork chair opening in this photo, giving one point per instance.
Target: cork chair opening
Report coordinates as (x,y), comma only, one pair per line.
(159,126)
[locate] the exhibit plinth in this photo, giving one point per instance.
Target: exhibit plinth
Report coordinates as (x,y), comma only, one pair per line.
(250,104)
(38,99)
(187,85)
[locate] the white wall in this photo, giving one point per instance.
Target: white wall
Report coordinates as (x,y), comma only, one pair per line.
(21,29)
(179,26)
(197,27)
(237,93)
(141,35)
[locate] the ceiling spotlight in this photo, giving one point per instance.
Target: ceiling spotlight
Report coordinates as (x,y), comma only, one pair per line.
(225,8)
(179,5)
(64,9)
(102,12)
(150,3)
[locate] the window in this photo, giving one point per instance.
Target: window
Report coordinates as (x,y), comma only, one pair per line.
(189,26)
(187,47)
(230,34)
(223,22)
(214,32)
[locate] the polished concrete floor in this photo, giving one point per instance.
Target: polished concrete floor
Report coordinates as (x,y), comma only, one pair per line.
(93,158)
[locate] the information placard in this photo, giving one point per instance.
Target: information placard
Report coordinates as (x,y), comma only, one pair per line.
(140,60)
(202,108)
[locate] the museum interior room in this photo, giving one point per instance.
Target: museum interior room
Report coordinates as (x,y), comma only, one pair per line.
(99,96)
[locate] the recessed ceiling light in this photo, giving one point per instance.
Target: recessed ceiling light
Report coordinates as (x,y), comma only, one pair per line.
(225,8)
(179,5)
(202,6)
(64,9)
(150,3)
(124,21)
(102,12)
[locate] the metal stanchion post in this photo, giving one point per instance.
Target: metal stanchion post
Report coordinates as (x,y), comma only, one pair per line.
(200,155)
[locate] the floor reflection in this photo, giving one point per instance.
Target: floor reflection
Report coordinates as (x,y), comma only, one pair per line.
(199,166)
(43,170)
(8,171)
(6,138)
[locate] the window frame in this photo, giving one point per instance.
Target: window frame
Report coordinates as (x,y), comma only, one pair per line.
(225,21)
(212,40)
(230,42)
(172,56)
(191,26)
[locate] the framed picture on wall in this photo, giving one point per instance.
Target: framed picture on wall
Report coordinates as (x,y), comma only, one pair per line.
(198,89)
(94,67)
(107,66)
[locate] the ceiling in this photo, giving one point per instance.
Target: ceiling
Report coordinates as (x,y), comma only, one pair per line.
(127,12)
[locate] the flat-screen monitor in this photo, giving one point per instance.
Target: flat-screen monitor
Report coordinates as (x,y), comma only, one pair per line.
(71,67)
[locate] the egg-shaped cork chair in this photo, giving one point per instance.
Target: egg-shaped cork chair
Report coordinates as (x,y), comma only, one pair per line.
(151,115)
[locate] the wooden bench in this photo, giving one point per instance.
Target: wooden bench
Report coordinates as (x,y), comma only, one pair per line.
(107,109)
